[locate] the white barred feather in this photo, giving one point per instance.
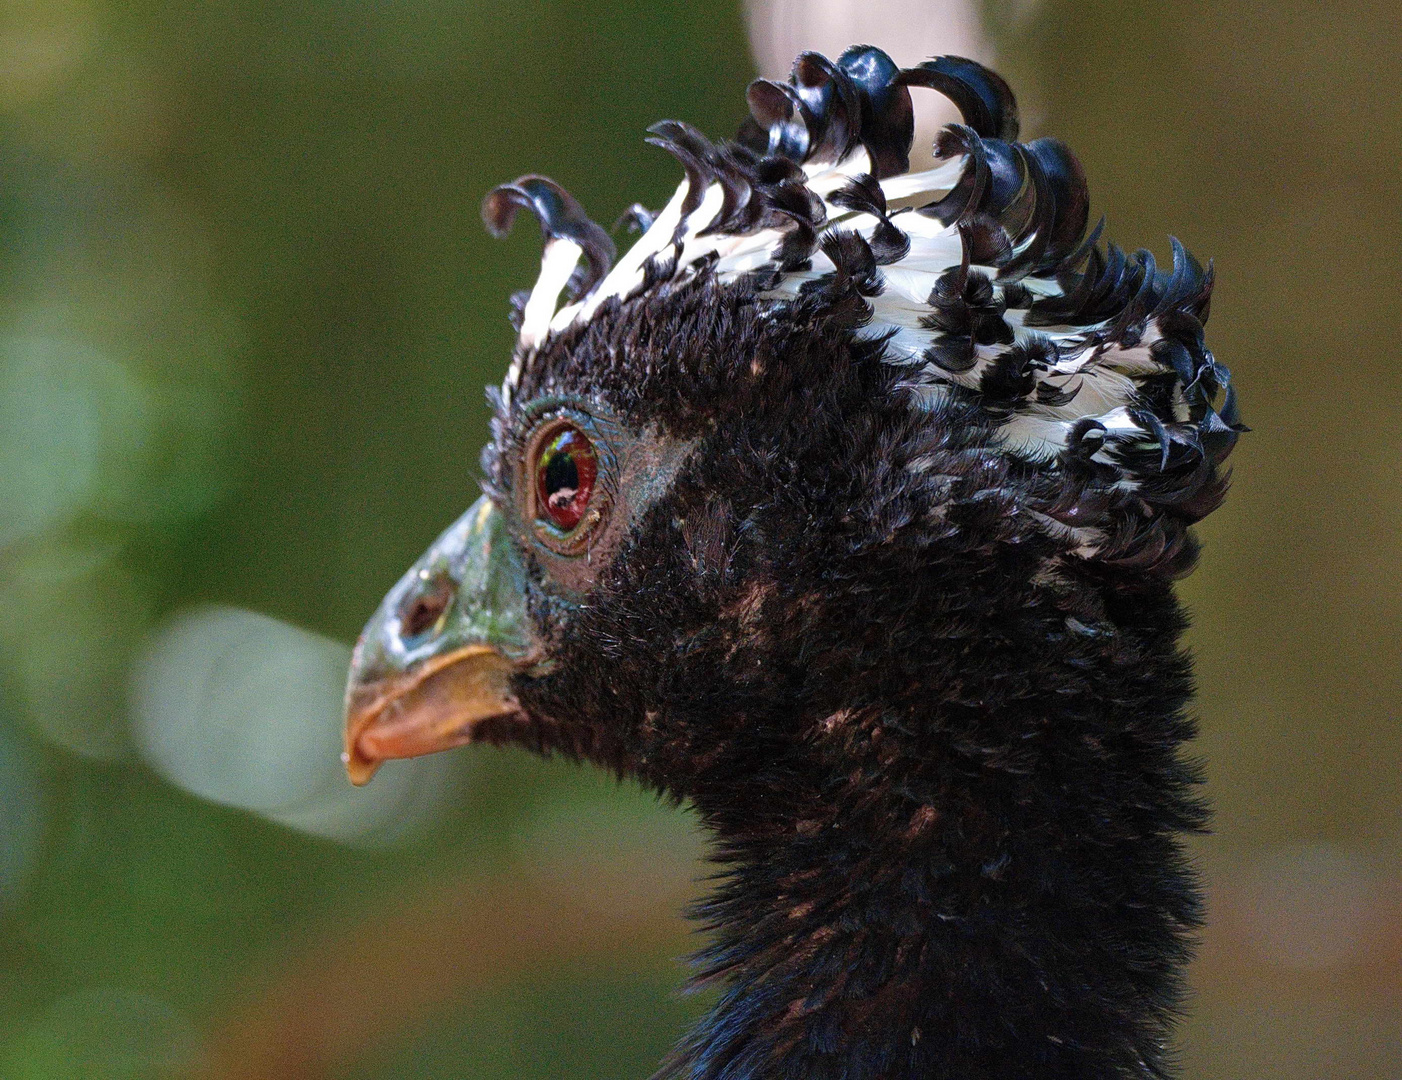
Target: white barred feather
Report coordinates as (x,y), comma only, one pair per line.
(974,273)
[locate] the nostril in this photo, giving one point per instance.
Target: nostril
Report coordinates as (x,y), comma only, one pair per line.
(424,610)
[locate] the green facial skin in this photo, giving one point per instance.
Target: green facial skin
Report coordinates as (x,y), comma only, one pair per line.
(477,558)
(438,655)
(440,652)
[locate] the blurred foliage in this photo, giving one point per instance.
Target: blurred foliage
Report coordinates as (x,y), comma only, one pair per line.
(1263,135)
(246,312)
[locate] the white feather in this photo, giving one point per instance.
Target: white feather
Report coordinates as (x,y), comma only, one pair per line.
(557,263)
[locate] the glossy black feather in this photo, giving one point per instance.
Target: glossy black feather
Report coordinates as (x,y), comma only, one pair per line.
(560,216)
(924,688)
(945,784)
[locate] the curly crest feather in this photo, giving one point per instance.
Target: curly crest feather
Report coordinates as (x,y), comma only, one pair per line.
(978,279)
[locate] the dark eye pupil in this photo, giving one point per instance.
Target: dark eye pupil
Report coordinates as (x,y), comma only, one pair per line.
(565,476)
(561,478)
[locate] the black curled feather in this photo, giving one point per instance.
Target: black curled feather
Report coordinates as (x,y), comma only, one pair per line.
(826,110)
(637,218)
(888,117)
(984,100)
(1029,200)
(561,217)
(968,311)
(1017,376)
(1021,211)
(863,195)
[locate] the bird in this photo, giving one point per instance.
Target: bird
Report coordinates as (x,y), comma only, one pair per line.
(846,506)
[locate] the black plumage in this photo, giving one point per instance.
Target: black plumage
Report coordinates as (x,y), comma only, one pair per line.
(919,674)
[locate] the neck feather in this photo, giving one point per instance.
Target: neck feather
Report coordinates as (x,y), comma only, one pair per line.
(991,884)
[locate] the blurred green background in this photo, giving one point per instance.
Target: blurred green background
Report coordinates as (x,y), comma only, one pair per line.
(246,313)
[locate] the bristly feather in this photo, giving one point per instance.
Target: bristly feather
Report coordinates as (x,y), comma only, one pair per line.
(899,626)
(977,276)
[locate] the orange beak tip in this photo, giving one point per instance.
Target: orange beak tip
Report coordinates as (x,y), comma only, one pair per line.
(435,708)
(359,769)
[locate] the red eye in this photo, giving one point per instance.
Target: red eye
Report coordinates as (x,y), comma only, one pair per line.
(564,478)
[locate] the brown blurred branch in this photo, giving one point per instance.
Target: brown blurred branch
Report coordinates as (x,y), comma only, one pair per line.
(378,972)
(1236,958)
(382,970)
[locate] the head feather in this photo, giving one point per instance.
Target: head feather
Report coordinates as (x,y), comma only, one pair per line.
(978,276)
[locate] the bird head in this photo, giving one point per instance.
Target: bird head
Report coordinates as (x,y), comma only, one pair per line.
(831,439)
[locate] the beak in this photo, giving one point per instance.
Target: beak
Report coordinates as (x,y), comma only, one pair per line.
(438,656)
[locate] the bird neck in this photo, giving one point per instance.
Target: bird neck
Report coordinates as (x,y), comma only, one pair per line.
(990,885)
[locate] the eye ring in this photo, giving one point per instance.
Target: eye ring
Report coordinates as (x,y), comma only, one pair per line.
(565,501)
